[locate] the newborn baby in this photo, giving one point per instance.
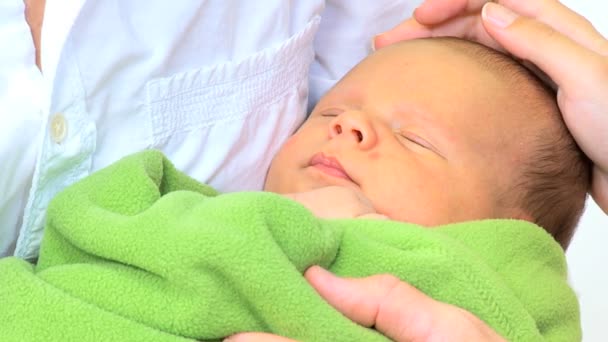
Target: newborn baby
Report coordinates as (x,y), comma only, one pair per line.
(433,132)
(427,132)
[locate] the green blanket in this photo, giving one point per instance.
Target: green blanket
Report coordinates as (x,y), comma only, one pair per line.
(141,252)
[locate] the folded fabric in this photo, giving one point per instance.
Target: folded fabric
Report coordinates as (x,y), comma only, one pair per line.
(141,252)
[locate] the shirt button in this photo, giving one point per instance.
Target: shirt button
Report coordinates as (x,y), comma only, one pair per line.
(59,128)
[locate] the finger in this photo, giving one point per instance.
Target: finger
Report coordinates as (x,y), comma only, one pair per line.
(469,27)
(463,26)
(433,12)
(562,19)
(257,337)
(458,18)
(408,29)
(565,61)
(394,308)
(551,12)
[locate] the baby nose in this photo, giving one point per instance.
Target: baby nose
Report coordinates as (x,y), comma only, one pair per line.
(354,126)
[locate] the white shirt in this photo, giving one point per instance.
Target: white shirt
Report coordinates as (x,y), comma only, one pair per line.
(217,85)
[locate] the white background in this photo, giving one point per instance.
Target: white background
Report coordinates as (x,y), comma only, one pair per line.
(588,253)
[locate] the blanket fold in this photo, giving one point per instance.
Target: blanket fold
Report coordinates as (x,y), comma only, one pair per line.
(141,252)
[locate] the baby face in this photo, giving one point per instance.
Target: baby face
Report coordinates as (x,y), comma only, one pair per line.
(415,128)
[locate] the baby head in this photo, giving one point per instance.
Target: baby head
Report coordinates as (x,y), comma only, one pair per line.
(436,131)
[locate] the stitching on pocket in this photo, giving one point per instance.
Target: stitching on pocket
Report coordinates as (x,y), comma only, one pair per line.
(228,91)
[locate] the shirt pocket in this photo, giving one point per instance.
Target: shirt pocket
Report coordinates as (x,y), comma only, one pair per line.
(198,99)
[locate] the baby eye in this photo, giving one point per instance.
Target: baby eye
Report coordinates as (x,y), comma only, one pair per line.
(410,138)
(331,112)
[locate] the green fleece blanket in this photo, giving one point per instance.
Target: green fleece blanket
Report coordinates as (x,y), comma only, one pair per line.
(141,252)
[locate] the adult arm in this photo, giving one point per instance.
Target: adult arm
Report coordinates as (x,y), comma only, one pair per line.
(563,44)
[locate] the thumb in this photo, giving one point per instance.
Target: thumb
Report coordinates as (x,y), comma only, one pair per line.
(382,301)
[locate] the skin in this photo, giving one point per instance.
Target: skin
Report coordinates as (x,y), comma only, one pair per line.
(409,138)
(545,33)
(34,15)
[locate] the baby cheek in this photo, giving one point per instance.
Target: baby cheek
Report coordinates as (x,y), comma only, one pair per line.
(291,142)
(374,155)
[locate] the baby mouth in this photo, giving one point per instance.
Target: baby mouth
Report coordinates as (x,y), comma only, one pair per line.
(330,166)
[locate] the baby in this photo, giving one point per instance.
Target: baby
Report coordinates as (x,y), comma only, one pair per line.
(437,131)
(427,132)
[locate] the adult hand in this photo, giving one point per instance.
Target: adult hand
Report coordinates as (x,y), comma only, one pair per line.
(563,44)
(395,308)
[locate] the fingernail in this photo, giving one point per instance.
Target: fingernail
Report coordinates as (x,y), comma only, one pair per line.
(373,44)
(498,15)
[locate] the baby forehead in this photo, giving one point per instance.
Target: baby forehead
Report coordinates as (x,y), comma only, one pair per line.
(447,53)
(481,83)
(484,71)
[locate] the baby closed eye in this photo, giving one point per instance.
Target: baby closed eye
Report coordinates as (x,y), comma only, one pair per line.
(330,114)
(413,139)
(409,139)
